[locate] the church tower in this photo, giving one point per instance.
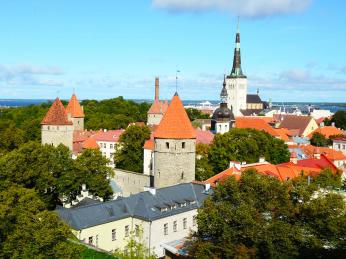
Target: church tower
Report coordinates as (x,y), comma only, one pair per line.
(75,113)
(223,119)
(56,129)
(236,82)
(175,147)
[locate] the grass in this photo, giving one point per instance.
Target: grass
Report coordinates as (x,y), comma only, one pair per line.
(92,254)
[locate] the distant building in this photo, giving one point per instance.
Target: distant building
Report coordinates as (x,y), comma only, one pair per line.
(223,118)
(158,108)
(241,103)
(56,128)
(298,125)
(163,215)
(75,113)
(339,143)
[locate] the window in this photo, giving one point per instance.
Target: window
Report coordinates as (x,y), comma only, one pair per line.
(111,146)
(57,127)
(194,220)
(175,226)
(127,230)
(167,144)
(165,229)
(185,223)
(48,127)
(91,241)
(182,175)
(114,234)
(183,145)
(137,230)
(105,145)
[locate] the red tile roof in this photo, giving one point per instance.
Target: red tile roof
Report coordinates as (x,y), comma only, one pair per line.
(56,115)
(294,122)
(175,123)
(255,123)
(90,143)
(328,152)
(74,108)
(109,135)
(327,131)
(158,107)
(204,137)
(149,144)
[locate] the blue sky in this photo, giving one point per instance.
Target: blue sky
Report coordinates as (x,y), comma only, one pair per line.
(292,50)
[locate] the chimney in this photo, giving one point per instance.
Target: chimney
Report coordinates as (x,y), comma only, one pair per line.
(294,158)
(317,153)
(231,164)
(157,86)
(262,159)
(207,187)
(333,124)
(151,190)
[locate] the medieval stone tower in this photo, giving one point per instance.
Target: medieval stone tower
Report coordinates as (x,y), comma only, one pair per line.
(175,147)
(56,129)
(75,113)
(236,82)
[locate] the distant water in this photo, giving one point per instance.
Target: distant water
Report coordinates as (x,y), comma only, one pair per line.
(333,107)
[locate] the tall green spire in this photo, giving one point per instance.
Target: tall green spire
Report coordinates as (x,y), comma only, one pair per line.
(236,69)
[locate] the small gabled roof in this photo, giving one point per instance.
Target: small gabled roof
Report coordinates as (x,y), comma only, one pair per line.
(327,131)
(175,123)
(253,98)
(74,108)
(56,115)
(90,143)
(294,122)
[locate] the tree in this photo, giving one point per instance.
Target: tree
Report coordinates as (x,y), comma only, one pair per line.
(327,179)
(11,138)
(196,114)
(92,170)
(135,248)
(339,118)
(258,216)
(27,230)
(246,145)
(129,151)
(203,168)
(320,140)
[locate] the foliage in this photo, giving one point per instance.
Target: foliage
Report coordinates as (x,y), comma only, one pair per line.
(204,170)
(262,217)
(129,151)
(326,179)
(135,248)
(319,140)
(196,114)
(246,145)
(113,113)
(52,173)
(93,254)
(27,230)
(339,118)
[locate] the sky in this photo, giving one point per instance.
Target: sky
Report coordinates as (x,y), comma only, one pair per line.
(292,50)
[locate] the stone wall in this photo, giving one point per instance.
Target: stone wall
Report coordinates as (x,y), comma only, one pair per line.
(154,118)
(174,161)
(131,182)
(78,123)
(57,134)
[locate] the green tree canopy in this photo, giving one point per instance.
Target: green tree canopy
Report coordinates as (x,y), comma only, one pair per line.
(339,118)
(204,170)
(129,151)
(258,216)
(319,140)
(27,230)
(246,145)
(196,114)
(52,172)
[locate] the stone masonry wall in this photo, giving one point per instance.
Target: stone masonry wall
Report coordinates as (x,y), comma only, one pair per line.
(131,182)
(57,134)
(173,163)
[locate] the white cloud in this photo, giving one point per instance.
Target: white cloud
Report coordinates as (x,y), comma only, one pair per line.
(24,75)
(247,8)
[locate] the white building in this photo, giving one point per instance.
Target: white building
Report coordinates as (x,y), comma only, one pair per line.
(163,215)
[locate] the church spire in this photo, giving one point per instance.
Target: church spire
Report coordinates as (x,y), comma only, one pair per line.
(236,69)
(223,94)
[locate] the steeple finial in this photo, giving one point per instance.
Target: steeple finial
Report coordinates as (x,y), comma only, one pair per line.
(236,69)
(224,94)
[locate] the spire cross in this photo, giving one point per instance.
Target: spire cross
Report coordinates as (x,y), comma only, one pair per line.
(176,80)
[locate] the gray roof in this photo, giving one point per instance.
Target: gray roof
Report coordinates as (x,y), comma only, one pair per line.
(143,205)
(249,112)
(253,98)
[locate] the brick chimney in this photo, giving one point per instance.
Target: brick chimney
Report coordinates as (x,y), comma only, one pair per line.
(317,153)
(157,86)
(294,158)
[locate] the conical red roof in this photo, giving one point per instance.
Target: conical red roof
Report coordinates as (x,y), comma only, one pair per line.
(56,115)
(90,143)
(74,108)
(175,123)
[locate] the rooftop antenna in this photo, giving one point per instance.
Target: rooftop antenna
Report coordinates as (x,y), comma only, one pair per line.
(176,80)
